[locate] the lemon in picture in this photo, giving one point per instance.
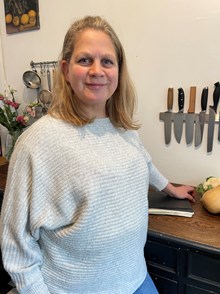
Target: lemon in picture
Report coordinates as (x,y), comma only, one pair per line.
(24,18)
(8,18)
(32,20)
(32,13)
(16,21)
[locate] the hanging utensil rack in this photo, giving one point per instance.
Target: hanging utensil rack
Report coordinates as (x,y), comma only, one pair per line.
(43,64)
(161,117)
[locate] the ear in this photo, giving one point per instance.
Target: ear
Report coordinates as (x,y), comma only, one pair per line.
(65,69)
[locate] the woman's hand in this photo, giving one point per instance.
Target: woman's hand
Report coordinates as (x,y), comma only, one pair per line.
(181,192)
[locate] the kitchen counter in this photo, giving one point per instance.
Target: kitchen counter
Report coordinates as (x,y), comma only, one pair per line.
(202,228)
(3,175)
(183,254)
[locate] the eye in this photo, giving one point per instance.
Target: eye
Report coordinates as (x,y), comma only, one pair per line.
(84,61)
(107,62)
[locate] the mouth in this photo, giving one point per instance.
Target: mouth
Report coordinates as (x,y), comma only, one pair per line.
(95,85)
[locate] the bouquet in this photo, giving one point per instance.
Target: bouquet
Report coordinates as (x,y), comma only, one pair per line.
(12,120)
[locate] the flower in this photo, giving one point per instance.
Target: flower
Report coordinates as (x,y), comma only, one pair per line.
(14,121)
(210,183)
(10,117)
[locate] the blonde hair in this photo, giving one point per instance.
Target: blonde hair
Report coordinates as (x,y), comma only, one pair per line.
(120,107)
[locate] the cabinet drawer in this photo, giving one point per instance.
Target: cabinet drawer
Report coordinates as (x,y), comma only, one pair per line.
(203,268)
(164,285)
(195,290)
(162,256)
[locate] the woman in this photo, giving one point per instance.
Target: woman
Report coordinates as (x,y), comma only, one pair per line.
(75,210)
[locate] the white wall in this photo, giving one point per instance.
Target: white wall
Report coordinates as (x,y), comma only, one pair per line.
(168,43)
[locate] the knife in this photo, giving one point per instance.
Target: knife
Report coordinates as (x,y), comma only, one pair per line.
(168,116)
(190,116)
(212,113)
(179,116)
(200,118)
(219,128)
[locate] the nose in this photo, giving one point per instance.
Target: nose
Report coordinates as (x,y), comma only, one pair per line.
(96,69)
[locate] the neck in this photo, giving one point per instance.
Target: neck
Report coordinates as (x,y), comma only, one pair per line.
(95,112)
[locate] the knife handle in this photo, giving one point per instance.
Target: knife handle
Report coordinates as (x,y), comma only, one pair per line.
(204,98)
(216,95)
(170,99)
(181,98)
(192,100)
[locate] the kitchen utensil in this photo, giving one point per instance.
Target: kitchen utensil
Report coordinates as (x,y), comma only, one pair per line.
(168,116)
(219,127)
(212,114)
(31,79)
(200,118)
(45,96)
(54,74)
(48,79)
(179,116)
(197,138)
(190,116)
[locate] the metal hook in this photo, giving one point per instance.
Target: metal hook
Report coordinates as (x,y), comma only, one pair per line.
(41,68)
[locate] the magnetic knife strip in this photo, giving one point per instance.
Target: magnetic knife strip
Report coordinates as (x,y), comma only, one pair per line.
(194,122)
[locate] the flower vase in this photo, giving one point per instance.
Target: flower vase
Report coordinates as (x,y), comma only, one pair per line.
(10,142)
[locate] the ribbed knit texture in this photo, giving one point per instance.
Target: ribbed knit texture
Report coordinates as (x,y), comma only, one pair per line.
(75,210)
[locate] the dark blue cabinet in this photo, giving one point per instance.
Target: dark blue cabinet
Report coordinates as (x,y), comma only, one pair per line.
(182,267)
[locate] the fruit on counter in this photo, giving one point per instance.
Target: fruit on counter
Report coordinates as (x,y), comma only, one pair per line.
(8,18)
(211,200)
(210,183)
(16,21)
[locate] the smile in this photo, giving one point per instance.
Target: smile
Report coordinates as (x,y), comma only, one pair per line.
(95,85)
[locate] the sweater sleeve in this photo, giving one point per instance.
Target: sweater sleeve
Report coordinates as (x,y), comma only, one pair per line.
(21,253)
(156,179)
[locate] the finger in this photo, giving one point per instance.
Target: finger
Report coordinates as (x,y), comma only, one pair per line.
(191,198)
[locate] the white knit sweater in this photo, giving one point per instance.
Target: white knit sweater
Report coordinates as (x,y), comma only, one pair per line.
(75,210)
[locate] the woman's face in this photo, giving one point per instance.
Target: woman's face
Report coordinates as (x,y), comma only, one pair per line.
(92,71)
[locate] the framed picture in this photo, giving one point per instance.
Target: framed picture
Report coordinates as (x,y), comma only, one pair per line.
(21,15)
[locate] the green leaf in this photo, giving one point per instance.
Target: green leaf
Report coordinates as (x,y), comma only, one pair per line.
(8,112)
(3,119)
(200,189)
(209,187)
(209,178)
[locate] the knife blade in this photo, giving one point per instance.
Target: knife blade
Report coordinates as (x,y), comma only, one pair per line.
(212,113)
(200,118)
(168,116)
(190,116)
(179,116)
(219,127)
